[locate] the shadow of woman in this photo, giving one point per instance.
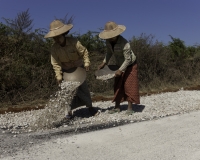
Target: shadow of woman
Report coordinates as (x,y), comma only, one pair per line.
(136,107)
(84,112)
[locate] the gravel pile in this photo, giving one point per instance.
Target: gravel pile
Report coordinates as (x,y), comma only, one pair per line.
(53,113)
(151,107)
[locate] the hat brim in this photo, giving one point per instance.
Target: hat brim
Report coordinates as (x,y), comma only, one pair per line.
(59,31)
(112,33)
(76,74)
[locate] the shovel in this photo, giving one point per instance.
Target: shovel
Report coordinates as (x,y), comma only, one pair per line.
(108,72)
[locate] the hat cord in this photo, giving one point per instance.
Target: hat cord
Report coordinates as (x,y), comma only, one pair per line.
(56,28)
(112,29)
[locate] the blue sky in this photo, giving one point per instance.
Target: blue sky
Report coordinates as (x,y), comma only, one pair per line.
(161,18)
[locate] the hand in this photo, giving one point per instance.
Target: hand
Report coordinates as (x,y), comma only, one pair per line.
(87,68)
(59,81)
(118,73)
(101,65)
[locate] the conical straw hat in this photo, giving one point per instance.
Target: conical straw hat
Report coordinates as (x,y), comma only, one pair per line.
(58,28)
(111,30)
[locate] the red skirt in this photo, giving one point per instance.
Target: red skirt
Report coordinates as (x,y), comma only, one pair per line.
(126,87)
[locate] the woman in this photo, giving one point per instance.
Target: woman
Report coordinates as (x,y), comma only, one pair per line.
(126,87)
(67,53)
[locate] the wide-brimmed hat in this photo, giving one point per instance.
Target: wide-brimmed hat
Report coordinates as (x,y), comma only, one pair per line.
(57,28)
(111,30)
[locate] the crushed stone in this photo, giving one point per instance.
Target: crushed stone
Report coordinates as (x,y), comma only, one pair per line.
(151,107)
(105,77)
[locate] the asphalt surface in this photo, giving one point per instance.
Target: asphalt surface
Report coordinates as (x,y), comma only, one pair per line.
(171,138)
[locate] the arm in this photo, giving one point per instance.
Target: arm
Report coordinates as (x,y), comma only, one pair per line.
(56,66)
(83,52)
(129,57)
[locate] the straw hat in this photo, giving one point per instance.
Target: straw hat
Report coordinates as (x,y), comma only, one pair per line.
(111,30)
(58,28)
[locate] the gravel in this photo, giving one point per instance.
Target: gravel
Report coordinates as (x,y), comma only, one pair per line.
(105,77)
(17,131)
(54,112)
(151,107)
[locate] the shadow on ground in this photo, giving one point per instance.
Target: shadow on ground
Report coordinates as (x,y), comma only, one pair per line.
(84,112)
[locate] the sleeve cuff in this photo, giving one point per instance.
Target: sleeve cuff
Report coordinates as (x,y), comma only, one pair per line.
(87,64)
(59,77)
(122,69)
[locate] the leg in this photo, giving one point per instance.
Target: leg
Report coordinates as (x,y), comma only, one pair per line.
(117,105)
(116,108)
(84,94)
(130,108)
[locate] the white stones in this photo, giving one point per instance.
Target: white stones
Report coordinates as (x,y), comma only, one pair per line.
(155,106)
(43,118)
(105,77)
(57,106)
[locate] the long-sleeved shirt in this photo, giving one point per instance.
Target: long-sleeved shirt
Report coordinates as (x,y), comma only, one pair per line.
(72,52)
(122,52)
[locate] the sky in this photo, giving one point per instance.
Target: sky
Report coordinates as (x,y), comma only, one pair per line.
(160,18)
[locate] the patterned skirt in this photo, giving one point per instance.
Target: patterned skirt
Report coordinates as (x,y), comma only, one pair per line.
(126,87)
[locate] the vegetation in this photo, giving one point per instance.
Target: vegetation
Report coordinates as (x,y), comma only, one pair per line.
(26,73)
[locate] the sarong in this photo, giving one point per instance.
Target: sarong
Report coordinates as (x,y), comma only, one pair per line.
(126,87)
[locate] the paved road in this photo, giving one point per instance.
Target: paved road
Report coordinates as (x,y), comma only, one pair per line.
(170,138)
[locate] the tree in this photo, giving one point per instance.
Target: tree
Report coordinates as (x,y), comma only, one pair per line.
(22,24)
(178,48)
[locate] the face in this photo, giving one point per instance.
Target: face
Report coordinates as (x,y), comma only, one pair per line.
(112,39)
(60,39)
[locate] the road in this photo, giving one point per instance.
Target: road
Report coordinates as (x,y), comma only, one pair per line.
(170,138)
